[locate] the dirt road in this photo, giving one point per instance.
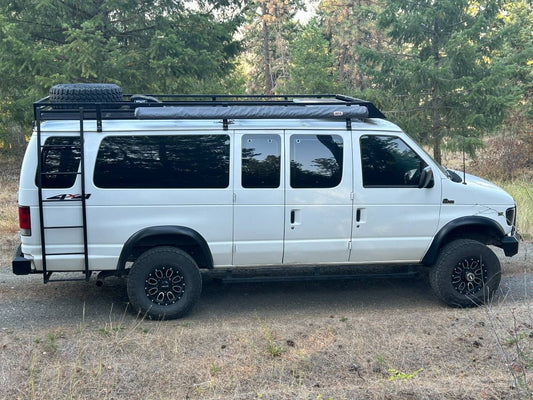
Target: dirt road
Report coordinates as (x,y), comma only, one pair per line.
(25,302)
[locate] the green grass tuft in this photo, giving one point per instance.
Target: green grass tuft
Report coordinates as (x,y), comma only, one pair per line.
(522,192)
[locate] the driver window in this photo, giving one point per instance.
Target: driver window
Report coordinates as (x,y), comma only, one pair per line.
(387,161)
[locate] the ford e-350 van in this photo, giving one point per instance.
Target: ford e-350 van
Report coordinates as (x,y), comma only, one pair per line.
(156,188)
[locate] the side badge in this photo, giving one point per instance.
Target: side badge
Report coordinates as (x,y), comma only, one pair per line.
(68,197)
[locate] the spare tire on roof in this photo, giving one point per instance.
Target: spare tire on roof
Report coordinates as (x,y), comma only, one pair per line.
(86,93)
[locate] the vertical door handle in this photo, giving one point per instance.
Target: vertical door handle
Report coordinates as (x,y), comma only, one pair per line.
(358,215)
(292,216)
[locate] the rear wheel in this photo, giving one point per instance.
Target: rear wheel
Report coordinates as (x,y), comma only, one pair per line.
(164,283)
(466,274)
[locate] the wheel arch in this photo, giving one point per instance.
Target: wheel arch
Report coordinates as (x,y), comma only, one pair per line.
(185,238)
(481,229)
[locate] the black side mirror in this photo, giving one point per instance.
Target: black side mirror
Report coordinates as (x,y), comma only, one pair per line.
(426,178)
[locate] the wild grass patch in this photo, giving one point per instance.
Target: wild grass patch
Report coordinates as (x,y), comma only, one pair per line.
(442,354)
(522,192)
(9,173)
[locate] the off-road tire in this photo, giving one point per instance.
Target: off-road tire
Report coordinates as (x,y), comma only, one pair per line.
(85,93)
(466,274)
(164,283)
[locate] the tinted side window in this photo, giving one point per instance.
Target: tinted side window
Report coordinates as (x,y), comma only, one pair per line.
(180,161)
(316,161)
(60,162)
(261,156)
(389,161)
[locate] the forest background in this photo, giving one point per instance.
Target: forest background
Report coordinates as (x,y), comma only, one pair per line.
(454,74)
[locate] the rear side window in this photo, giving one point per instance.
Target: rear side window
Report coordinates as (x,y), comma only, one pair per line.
(60,162)
(316,161)
(261,155)
(174,162)
(387,161)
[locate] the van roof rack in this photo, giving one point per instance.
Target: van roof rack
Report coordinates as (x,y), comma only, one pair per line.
(209,106)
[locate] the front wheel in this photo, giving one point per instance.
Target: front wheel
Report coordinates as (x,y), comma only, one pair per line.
(466,274)
(164,283)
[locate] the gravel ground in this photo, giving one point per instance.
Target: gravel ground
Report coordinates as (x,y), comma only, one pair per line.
(25,302)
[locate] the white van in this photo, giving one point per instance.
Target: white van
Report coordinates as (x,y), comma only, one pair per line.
(156,188)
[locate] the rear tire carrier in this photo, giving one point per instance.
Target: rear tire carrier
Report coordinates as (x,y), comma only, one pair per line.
(85,93)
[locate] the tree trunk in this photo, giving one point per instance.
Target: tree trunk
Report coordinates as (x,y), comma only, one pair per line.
(341,64)
(266,49)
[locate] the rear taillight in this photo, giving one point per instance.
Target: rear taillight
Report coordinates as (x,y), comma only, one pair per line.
(24,221)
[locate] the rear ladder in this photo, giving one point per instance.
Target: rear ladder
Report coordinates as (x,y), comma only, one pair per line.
(82,199)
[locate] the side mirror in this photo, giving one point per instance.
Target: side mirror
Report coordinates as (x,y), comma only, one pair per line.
(426,178)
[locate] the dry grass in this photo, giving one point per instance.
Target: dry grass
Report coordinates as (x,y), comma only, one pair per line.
(522,192)
(459,354)
(9,172)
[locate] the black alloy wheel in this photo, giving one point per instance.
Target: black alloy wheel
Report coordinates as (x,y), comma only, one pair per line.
(164,283)
(469,276)
(165,286)
(467,273)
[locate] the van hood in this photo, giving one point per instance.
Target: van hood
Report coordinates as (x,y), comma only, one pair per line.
(476,191)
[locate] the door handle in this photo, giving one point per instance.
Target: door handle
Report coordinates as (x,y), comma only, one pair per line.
(360,217)
(295,218)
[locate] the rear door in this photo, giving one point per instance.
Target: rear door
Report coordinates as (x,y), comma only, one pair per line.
(318,211)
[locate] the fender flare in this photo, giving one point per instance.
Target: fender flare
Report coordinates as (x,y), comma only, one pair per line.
(446,230)
(165,230)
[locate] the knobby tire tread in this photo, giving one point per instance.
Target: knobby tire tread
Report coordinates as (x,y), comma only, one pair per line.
(137,274)
(440,273)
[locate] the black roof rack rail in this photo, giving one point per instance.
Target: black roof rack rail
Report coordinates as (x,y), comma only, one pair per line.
(126,109)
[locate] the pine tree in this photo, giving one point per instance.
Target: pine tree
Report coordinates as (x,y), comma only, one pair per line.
(350,25)
(517,50)
(269,29)
(311,70)
(144,46)
(441,69)
(516,55)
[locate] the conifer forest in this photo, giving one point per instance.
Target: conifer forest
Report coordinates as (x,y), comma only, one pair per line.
(451,73)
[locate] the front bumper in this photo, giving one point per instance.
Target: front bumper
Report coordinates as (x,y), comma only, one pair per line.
(21,265)
(510,245)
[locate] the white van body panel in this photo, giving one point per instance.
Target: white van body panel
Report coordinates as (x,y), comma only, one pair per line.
(397,225)
(259,214)
(245,227)
(115,215)
(475,197)
(321,232)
